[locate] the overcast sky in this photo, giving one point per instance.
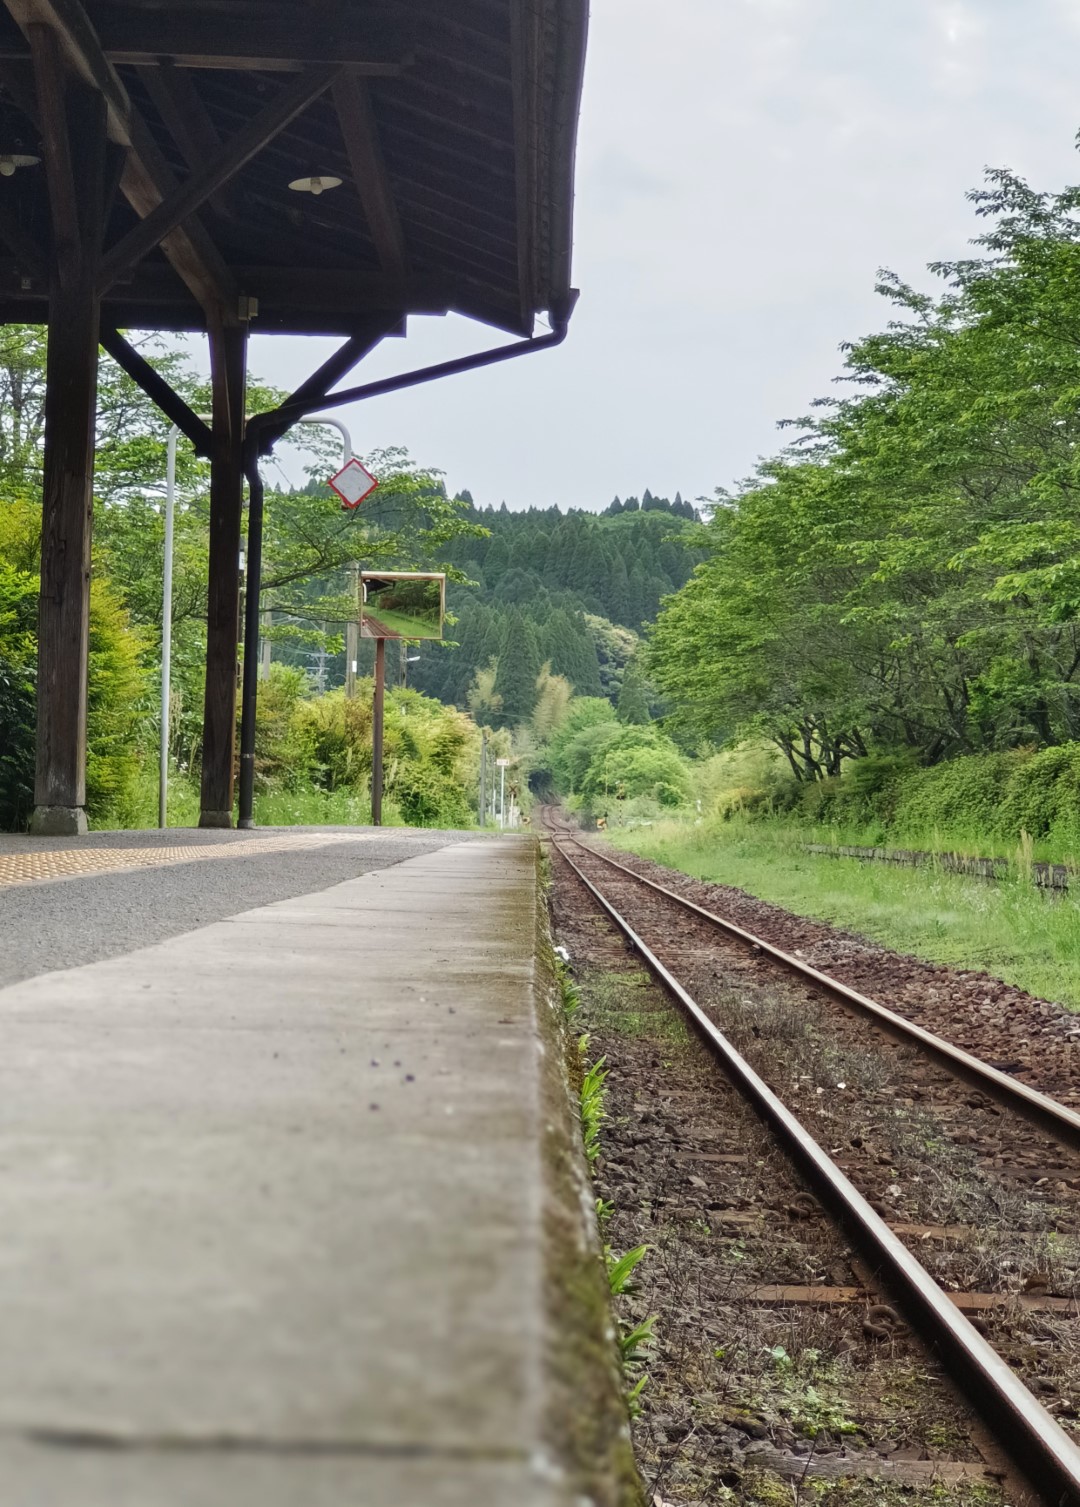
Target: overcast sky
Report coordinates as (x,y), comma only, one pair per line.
(744,168)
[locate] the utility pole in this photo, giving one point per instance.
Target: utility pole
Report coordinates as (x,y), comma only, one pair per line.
(352,634)
(377,733)
(320,674)
(266,648)
(483,778)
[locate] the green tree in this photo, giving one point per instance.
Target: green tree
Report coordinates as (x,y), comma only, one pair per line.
(633,704)
(566,758)
(518,667)
(907,576)
(553,696)
(633,762)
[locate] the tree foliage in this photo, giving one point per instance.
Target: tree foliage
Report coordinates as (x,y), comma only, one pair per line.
(310,543)
(586,584)
(906,574)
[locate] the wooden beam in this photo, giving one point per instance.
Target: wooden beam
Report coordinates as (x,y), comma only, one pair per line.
(17,81)
(80,42)
(157,389)
(351,296)
(319,385)
(24,247)
(70,420)
(361,136)
(187,120)
(147,178)
(225,164)
(249,39)
(51,78)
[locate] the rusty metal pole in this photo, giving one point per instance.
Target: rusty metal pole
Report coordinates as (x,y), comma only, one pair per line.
(377,733)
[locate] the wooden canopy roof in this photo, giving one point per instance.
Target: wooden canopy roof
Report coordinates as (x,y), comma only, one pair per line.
(451,125)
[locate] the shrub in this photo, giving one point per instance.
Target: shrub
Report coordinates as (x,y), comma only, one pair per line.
(323,744)
(631,761)
(18,612)
(284,739)
(116,687)
(750,777)
(1042,795)
(17,743)
(961,796)
(335,733)
(866,792)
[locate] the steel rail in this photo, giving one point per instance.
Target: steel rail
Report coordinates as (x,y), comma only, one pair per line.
(1039,1109)
(1041,1449)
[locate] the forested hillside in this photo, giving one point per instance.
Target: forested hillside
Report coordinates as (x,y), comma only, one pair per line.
(572,589)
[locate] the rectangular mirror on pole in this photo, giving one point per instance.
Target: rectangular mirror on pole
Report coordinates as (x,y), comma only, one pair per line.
(402,604)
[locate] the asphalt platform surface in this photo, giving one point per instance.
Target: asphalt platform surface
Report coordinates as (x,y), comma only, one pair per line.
(271,1179)
(64,923)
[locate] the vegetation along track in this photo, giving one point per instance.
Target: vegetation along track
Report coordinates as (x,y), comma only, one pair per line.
(920,1147)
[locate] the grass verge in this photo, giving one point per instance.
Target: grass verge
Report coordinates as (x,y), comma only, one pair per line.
(308,807)
(1008,929)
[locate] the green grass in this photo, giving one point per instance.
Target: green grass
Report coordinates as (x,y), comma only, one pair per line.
(403,624)
(279,808)
(935,840)
(1008,929)
(318,808)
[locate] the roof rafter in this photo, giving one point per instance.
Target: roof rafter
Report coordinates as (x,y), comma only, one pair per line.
(186,118)
(147,177)
(51,83)
(360,133)
(244,39)
(177,206)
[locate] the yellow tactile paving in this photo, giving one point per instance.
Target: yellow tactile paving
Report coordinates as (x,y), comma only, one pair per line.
(73,863)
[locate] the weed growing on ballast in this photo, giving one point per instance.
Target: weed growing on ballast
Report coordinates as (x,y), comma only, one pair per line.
(571,999)
(636,1341)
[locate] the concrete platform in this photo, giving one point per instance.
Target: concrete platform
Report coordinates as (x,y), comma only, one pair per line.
(284,1207)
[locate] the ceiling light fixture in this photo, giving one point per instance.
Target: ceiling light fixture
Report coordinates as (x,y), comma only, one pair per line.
(10,162)
(316,183)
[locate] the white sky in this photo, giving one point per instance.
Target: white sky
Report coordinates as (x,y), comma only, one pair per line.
(745,166)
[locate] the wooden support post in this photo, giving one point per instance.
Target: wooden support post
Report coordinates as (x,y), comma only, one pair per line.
(228,362)
(377,733)
(77,147)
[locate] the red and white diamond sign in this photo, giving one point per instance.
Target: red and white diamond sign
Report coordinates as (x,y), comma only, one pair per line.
(353,483)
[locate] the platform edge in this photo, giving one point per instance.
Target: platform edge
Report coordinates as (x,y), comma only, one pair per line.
(587,1425)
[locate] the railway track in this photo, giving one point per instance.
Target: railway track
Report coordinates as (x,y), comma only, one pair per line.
(1036,1442)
